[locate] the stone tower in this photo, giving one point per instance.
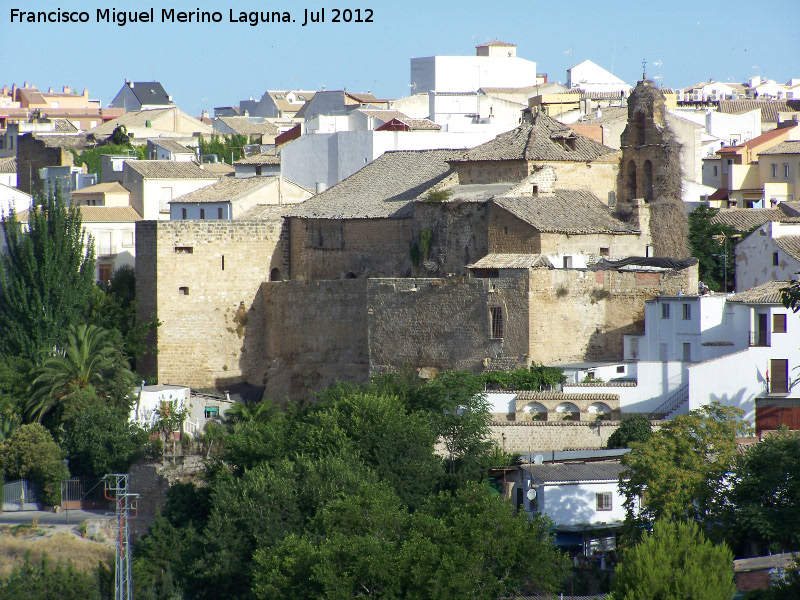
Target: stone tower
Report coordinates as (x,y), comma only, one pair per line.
(643,143)
(650,170)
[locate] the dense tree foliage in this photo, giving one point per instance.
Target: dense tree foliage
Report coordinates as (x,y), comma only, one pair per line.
(765,494)
(710,243)
(43,580)
(634,428)
(676,562)
(228,148)
(681,471)
(91,157)
(46,279)
(347,497)
(87,369)
(31,453)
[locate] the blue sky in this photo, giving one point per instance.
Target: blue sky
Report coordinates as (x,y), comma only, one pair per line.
(207,65)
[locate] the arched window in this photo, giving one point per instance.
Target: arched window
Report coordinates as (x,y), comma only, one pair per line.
(537,411)
(568,411)
(648,181)
(599,410)
(630,181)
(275,274)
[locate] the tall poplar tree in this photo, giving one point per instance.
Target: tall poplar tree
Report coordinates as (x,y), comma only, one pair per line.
(46,278)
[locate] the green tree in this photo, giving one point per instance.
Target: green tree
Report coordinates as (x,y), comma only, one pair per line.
(89,366)
(766,493)
(634,428)
(228,148)
(676,562)
(45,581)
(709,243)
(260,413)
(681,471)
(100,440)
(113,307)
(31,453)
(46,279)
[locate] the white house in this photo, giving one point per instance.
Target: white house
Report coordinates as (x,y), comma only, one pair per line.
(13,199)
(8,171)
(153,184)
(707,91)
(200,408)
(232,197)
(165,149)
(495,65)
(771,252)
(266,164)
(591,77)
(582,499)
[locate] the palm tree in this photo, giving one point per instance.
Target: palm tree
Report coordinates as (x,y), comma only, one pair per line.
(262,412)
(89,360)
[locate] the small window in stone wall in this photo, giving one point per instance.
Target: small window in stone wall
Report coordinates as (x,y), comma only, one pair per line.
(612,199)
(496,318)
(184,250)
(604,251)
(183,291)
(325,234)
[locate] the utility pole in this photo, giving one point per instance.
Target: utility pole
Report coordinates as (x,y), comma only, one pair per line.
(116,490)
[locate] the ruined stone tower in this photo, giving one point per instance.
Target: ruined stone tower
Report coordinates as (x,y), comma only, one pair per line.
(650,169)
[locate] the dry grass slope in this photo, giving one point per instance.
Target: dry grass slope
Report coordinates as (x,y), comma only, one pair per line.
(58,544)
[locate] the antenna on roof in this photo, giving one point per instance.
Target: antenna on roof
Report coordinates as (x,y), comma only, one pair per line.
(538,459)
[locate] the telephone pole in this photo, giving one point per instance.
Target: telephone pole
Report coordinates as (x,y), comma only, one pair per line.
(116,490)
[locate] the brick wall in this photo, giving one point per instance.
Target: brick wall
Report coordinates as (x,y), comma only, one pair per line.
(201,279)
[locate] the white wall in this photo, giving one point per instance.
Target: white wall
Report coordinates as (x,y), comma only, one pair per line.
(150,398)
(330,158)
(593,78)
(11,197)
(114,243)
(576,503)
(470,73)
(755,256)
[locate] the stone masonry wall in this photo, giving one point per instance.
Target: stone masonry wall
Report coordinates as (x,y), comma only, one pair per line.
(364,247)
(584,314)
(459,235)
(314,334)
(535,436)
(201,279)
(445,323)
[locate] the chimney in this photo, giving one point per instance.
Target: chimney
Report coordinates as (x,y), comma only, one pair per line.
(130,83)
(13,91)
(49,90)
(85,92)
(66,89)
(25,85)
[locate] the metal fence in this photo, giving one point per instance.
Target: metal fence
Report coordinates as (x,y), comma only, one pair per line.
(82,492)
(20,495)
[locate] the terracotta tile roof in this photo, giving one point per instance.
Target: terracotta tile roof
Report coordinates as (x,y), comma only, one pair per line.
(134,118)
(542,140)
(219,169)
(757,141)
(249,125)
(168,169)
(228,189)
(102,188)
(8,165)
(569,472)
(789,147)
(98,214)
(265,158)
(769,108)
(790,244)
(384,115)
(511,261)
(551,395)
(284,105)
(172,146)
(565,211)
(266,212)
(109,214)
(64,126)
(746,219)
(382,189)
(766,293)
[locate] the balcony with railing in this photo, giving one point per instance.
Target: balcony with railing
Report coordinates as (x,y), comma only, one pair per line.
(759,338)
(106,250)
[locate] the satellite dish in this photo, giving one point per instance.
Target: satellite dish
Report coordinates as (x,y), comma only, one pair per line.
(531,494)
(538,459)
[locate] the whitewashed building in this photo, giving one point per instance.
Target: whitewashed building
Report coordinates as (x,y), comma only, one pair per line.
(153,184)
(771,252)
(591,77)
